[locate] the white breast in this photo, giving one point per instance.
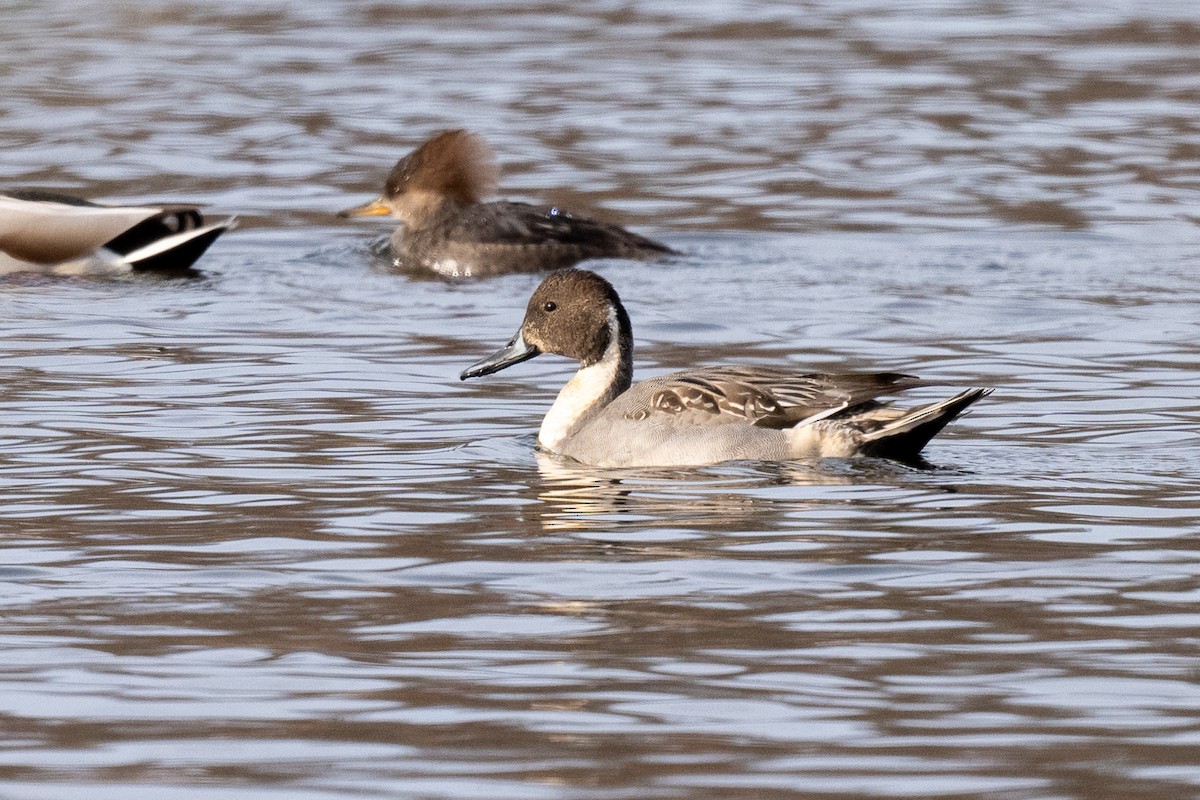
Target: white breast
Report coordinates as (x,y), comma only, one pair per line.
(589,386)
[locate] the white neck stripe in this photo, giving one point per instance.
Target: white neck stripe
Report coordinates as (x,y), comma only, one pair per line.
(587,388)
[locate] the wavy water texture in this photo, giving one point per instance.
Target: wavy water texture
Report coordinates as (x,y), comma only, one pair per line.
(260,541)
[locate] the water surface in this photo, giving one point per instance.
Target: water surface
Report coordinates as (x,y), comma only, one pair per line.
(259,541)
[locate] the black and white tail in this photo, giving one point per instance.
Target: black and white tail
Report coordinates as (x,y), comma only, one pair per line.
(903,439)
(176,252)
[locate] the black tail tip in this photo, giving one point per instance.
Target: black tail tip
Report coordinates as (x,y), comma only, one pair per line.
(906,441)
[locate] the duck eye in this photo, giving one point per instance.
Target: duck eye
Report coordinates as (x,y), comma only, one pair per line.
(550,306)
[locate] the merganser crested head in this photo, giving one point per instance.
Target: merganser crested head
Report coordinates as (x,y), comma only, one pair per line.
(456,167)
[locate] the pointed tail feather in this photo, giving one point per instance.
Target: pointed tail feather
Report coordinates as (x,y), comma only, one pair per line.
(177,252)
(904,438)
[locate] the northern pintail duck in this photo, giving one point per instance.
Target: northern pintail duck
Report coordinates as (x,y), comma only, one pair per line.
(437,193)
(51,232)
(706,415)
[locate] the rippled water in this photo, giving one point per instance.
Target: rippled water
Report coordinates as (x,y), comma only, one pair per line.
(259,541)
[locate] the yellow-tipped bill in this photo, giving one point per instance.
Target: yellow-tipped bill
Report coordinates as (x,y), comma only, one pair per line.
(375,208)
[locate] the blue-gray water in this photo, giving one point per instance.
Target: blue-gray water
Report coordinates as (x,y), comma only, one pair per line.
(260,542)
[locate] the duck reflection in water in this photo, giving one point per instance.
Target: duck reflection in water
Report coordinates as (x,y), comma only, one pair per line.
(729,498)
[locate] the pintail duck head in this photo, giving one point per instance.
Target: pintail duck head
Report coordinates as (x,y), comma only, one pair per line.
(454,167)
(574,313)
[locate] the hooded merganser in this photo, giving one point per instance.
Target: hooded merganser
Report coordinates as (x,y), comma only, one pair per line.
(51,232)
(706,415)
(437,193)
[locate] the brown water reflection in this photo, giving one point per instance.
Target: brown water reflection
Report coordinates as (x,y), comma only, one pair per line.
(260,541)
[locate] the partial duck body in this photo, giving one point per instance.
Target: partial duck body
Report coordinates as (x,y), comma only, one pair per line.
(61,234)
